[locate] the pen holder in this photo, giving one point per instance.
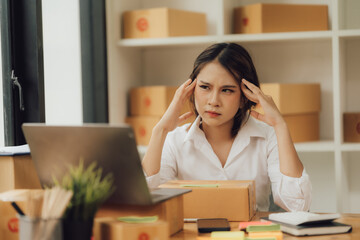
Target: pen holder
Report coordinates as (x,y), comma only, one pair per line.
(37,228)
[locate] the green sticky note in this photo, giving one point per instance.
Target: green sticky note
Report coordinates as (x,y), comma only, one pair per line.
(265,238)
(201,185)
(135,219)
(238,235)
(263,228)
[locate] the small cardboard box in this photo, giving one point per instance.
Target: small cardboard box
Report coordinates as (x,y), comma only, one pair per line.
(111,229)
(266,18)
(170,211)
(234,200)
(9,223)
(293,98)
(18,172)
(303,127)
(152,100)
(163,22)
(351,127)
(142,126)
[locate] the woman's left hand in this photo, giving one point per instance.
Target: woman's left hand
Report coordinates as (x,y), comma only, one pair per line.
(272,115)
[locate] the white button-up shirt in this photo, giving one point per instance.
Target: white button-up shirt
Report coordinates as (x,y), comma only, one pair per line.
(187,155)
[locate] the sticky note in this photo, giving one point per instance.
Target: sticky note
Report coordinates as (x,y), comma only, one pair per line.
(263,228)
(201,185)
(239,235)
(265,238)
(277,234)
(243,225)
(136,219)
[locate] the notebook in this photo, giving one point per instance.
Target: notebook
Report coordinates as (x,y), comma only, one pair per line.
(113,147)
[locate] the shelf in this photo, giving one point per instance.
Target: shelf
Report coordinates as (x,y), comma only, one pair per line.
(353,33)
(198,40)
(350,147)
(321,146)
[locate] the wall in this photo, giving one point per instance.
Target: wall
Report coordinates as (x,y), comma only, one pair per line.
(62,61)
(2,136)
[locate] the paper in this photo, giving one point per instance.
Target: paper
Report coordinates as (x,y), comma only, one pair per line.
(201,185)
(263,228)
(238,235)
(15,150)
(135,219)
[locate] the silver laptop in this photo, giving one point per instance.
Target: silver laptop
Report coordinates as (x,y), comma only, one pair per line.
(113,147)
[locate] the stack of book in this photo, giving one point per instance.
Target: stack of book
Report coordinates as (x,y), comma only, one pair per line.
(306,223)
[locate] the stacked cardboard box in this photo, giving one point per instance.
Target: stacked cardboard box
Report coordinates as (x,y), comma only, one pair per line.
(351,127)
(147,106)
(300,105)
(163,22)
(266,18)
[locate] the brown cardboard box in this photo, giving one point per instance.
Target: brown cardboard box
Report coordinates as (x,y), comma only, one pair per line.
(142,126)
(234,200)
(351,127)
(293,98)
(111,229)
(17,172)
(266,18)
(303,127)
(163,22)
(152,100)
(9,223)
(171,211)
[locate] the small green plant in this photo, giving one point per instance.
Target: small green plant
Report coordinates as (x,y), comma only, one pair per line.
(89,191)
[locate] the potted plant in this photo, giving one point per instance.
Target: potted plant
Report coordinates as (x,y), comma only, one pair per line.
(90,190)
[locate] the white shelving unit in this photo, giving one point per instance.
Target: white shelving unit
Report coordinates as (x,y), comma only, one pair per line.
(330,58)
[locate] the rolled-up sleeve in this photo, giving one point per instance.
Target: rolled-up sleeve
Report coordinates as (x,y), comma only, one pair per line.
(168,168)
(290,193)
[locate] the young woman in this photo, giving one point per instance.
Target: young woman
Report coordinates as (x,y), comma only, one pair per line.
(228,141)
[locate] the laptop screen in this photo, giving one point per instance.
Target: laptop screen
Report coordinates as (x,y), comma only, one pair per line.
(112,147)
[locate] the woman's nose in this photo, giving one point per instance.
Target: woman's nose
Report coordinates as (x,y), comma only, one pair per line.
(214,99)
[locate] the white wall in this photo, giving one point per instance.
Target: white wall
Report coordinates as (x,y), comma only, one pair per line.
(62,61)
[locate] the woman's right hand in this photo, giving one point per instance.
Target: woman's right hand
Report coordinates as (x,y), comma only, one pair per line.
(171,118)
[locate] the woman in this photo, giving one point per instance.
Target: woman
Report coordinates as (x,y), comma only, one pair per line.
(225,142)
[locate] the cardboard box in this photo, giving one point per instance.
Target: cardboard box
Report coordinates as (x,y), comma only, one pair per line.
(170,211)
(163,22)
(111,229)
(293,98)
(234,200)
(266,18)
(9,223)
(351,127)
(303,127)
(152,100)
(18,172)
(142,126)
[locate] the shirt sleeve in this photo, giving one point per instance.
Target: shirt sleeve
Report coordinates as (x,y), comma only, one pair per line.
(290,193)
(168,167)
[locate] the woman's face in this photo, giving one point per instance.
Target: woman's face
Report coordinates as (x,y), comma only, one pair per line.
(217,96)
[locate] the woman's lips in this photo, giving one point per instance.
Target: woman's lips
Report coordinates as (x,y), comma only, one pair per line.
(213,114)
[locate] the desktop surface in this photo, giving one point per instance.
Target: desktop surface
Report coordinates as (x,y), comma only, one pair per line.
(190,230)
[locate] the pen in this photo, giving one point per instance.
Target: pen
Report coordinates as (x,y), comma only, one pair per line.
(18,209)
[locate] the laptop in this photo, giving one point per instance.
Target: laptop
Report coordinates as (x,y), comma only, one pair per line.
(54,148)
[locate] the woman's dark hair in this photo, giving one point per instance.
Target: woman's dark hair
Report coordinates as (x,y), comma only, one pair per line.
(238,62)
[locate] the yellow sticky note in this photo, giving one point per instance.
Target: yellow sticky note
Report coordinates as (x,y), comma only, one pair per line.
(228,235)
(277,234)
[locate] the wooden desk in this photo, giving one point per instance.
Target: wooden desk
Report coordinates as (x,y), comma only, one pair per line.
(190,230)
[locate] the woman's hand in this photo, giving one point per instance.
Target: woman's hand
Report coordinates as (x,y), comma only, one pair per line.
(272,115)
(171,118)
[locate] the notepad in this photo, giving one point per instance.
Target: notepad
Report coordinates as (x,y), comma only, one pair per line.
(136,219)
(263,228)
(274,234)
(238,235)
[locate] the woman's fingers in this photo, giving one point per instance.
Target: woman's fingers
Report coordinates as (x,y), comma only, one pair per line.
(185,116)
(249,94)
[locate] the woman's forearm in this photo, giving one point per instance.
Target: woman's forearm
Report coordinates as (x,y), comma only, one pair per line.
(290,164)
(152,159)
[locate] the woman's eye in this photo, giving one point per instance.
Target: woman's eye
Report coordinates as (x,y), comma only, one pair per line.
(204,87)
(228,90)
